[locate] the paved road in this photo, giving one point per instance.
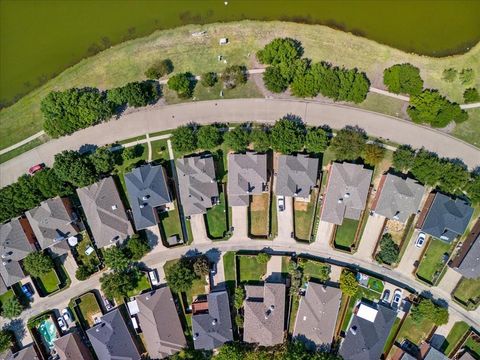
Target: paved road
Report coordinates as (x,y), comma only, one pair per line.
(162,118)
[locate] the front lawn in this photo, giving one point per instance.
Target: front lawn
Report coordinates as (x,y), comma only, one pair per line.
(473,346)
(345,234)
(170,223)
(249,269)
(89,308)
(198,288)
(229,266)
(315,269)
(468,292)
(375,284)
(303,217)
(5,297)
(431,264)
(258,215)
(458,331)
(48,282)
(160,150)
(416,332)
(142,285)
(216,219)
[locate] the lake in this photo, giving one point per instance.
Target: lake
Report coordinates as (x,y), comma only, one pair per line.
(39,39)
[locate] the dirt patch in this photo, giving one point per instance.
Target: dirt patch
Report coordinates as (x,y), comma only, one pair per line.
(300,205)
(396,229)
(259,202)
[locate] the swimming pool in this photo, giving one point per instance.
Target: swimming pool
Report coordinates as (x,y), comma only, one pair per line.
(48,331)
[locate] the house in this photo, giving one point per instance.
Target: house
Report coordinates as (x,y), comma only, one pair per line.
(317,316)
(211,322)
(427,352)
(247,175)
(53,222)
(147,190)
(105,213)
(346,193)
(158,318)
(71,347)
(16,242)
(467,260)
(466,356)
(296,176)
(368,331)
(397,198)
(264,314)
(28,353)
(197,184)
(446,218)
(111,339)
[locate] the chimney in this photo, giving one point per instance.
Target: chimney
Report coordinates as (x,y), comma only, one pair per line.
(347,195)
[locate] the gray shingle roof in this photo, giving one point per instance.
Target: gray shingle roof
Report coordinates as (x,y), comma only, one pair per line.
(111,339)
(434,354)
(105,212)
(247,175)
(14,246)
(71,347)
(213,329)
(27,353)
(147,189)
(470,265)
(264,310)
(196,182)
(297,175)
(399,198)
(346,193)
(447,218)
(52,221)
(466,356)
(317,316)
(369,339)
(160,324)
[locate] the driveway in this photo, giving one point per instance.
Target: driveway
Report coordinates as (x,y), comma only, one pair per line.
(71,267)
(411,255)
(154,238)
(285,220)
(199,230)
(370,236)
(240,222)
(450,280)
(237,110)
(324,234)
(274,269)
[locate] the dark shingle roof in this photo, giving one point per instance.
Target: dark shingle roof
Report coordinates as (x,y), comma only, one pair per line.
(147,189)
(27,353)
(213,329)
(369,339)
(111,339)
(297,175)
(71,347)
(447,218)
(434,354)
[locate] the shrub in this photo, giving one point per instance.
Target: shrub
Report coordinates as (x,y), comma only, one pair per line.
(280,50)
(466,76)
(288,136)
(83,272)
(132,152)
(37,263)
(403,158)
(237,139)
(373,153)
(449,74)
(5,340)
(50,185)
(261,139)
(349,143)
(183,84)
(160,69)
(180,276)
(348,283)
(234,75)
(404,79)
(184,139)
(239,297)
(209,79)
(471,95)
(11,308)
(263,258)
(389,250)
(209,136)
(427,309)
(239,321)
(317,140)
(274,80)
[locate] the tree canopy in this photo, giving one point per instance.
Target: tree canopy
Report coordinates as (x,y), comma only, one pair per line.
(159,69)
(261,139)
(118,284)
(184,139)
(103,160)
(349,144)
(75,168)
(209,136)
(180,276)
(11,308)
(280,50)
(317,140)
(288,136)
(389,250)
(274,80)
(5,340)
(137,247)
(373,153)
(209,79)
(116,259)
(348,283)
(403,158)
(37,263)
(50,185)
(403,79)
(427,309)
(237,139)
(471,95)
(183,84)
(135,94)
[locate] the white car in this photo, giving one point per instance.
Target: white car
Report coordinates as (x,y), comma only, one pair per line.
(62,324)
(420,240)
(281,203)
(66,315)
(89,250)
(397,297)
(153,277)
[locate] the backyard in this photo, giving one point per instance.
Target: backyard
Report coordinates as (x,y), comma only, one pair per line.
(468,292)
(473,344)
(48,282)
(414,331)
(432,262)
(249,269)
(216,219)
(89,308)
(258,215)
(303,217)
(170,223)
(345,234)
(88,260)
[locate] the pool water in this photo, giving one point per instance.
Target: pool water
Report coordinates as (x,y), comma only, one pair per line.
(48,331)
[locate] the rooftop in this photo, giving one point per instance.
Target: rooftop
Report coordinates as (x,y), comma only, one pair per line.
(296,175)
(467,261)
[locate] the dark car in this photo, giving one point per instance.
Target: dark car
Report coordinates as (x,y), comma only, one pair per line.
(27,291)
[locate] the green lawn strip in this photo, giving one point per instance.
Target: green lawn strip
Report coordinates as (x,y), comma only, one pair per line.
(89,308)
(432,263)
(315,269)
(250,269)
(293,313)
(303,220)
(383,104)
(142,285)
(273,216)
(170,222)
(473,346)
(392,335)
(468,291)
(345,233)
(5,297)
(229,266)
(24,148)
(469,130)
(159,150)
(216,219)
(133,139)
(415,331)
(328,156)
(458,331)
(188,225)
(48,282)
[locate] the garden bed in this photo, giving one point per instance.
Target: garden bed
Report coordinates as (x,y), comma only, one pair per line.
(345,234)
(304,213)
(258,215)
(217,219)
(431,264)
(82,258)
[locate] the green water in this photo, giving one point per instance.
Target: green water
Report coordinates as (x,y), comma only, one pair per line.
(39,39)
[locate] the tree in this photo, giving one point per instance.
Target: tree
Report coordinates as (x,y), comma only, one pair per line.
(454,176)
(209,136)
(37,263)
(274,80)
(471,95)
(5,340)
(280,50)
(201,266)
(263,258)
(317,140)
(288,136)
(231,351)
(449,74)
(432,108)
(389,250)
(209,79)
(239,297)
(349,144)
(237,139)
(180,276)
(11,308)
(348,283)
(426,309)
(103,160)
(403,79)
(183,84)
(118,284)
(466,76)
(116,259)
(137,247)
(353,85)
(132,152)
(83,272)
(239,320)
(403,158)
(261,139)
(291,70)
(135,94)
(72,167)
(184,139)
(68,111)
(50,185)
(473,189)
(427,167)
(234,75)
(159,69)
(373,153)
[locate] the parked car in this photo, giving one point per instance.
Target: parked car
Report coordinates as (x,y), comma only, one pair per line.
(35,168)
(67,316)
(281,203)
(62,324)
(386,296)
(213,268)
(397,297)
(420,240)
(27,291)
(107,303)
(153,277)
(89,250)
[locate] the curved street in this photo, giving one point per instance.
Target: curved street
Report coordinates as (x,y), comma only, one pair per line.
(161,118)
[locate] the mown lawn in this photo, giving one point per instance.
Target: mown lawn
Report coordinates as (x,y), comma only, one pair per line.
(229,266)
(5,297)
(198,288)
(303,217)
(432,263)
(414,331)
(345,233)
(48,282)
(91,259)
(458,331)
(170,222)
(468,291)
(160,150)
(473,346)
(250,269)
(258,215)
(375,285)
(216,219)
(89,308)
(142,285)
(316,269)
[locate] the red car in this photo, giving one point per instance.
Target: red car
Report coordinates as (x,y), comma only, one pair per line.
(35,168)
